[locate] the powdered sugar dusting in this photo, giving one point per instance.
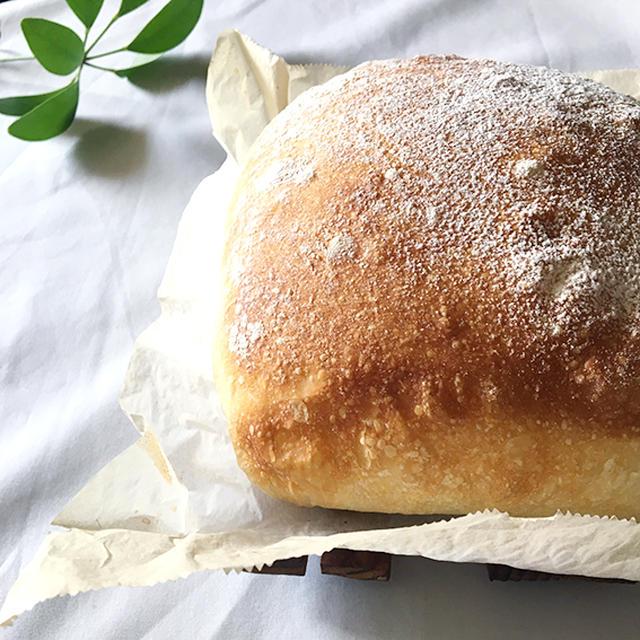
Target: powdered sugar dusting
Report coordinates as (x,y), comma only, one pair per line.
(525,175)
(528,167)
(341,247)
(244,334)
(290,171)
(472,128)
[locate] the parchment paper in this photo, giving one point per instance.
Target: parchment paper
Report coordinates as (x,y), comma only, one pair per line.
(176,501)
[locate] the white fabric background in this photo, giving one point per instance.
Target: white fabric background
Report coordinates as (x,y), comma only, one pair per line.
(88,220)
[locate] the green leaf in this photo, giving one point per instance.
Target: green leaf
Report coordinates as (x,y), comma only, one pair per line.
(86,10)
(169,28)
(57,48)
(49,118)
(127,6)
(141,61)
(19,105)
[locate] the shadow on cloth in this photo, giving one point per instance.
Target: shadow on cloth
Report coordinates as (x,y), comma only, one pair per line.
(108,150)
(429,599)
(169,72)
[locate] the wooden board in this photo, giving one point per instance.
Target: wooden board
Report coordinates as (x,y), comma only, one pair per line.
(287,567)
(369,565)
(361,565)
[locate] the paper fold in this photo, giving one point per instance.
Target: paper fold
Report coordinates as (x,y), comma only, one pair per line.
(176,501)
(247,86)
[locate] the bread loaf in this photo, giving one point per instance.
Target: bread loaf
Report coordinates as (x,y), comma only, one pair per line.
(431,285)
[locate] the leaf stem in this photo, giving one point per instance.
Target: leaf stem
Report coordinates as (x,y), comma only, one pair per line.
(20,59)
(95,42)
(106,53)
(97,66)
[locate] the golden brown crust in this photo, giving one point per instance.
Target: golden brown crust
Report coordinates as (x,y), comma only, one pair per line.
(431,294)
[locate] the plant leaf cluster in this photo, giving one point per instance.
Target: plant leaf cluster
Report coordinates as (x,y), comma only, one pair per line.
(63,52)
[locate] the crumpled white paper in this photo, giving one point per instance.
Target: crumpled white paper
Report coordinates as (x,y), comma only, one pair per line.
(176,501)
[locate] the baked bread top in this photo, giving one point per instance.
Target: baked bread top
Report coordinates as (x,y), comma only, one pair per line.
(431,299)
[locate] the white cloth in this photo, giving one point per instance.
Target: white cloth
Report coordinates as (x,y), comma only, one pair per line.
(88,220)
